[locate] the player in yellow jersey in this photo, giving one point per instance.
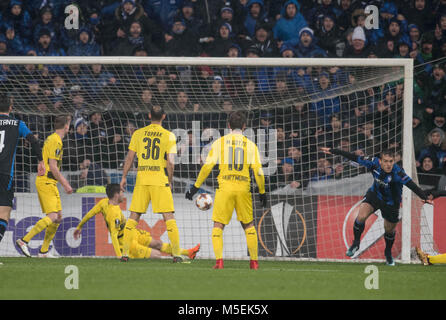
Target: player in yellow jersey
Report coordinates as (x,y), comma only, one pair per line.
(236,155)
(143,245)
(47,191)
(155,148)
(428,259)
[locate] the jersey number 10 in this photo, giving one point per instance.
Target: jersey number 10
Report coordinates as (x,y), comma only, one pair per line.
(236,157)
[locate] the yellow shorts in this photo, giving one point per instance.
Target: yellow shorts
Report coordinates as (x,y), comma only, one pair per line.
(160,196)
(140,245)
(226,201)
(49,196)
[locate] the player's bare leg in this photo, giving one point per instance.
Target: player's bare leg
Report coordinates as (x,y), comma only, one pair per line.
(174,236)
(167,248)
(217,243)
(365,210)
(131,224)
(252,242)
(389,237)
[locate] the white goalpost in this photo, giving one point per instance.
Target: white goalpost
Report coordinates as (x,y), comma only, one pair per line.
(293,106)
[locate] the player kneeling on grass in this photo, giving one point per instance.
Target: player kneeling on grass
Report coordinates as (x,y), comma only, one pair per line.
(385,194)
(236,155)
(143,246)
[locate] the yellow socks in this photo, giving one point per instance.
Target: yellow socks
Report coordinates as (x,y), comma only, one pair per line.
(130,225)
(439,258)
(38,227)
(251,241)
(174,237)
(49,235)
(167,248)
(217,242)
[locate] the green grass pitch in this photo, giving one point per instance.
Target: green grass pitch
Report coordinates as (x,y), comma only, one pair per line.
(109,279)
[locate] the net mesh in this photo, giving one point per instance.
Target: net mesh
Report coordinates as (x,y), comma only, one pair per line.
(291,111)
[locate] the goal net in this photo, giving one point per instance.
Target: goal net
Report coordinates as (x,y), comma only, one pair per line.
(293,107)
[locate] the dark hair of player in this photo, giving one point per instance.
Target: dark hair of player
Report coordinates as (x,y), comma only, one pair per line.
(112,189)
(387,152)
(237,120)
(5,103)
(61,121)
(156,113)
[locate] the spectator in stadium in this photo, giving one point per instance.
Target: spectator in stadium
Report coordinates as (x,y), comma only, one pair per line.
(419,12)
(306,46)
(74,76)
(419,132)
(92,174)
(45,45)
(344,20)
(128,12)
(256,14)
(193,21)
(162,90)
(226,15)
(315,15)
(46,20)
(324,170)
(85,45)
(414,36)
(285,177)
(161,12)
(183,112)
(435,85)
(333,132)
(57,92)
(290,23)
(325,107)
(403,49)
(249,98)
(180,41)
(133,39)
(282,90)
(98,79)
(17,17)
(146,98)
(358,48)
(15,45)
(264,41)
(433,147)
(439,120)
(428,173)
(329,36)
(222,42)
(300,123)
(394,33)
(425,55)
(78,146)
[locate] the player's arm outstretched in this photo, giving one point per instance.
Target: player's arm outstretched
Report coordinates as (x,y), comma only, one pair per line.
(35,147)
(206,169)
(406,180)
(90,214)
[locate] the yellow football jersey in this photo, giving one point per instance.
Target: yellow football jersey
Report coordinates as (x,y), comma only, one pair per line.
(52,149)
(152,144)
(114,219)
(236,155)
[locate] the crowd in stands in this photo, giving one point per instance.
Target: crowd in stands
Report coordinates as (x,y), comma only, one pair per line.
(364,122)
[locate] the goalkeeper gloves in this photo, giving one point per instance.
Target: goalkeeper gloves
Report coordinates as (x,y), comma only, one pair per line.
(263,200)
(191,192)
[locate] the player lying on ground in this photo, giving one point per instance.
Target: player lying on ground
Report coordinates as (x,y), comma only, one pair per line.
(11,130)
(428,259)
(143,245)
(236,155)
(385,194)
